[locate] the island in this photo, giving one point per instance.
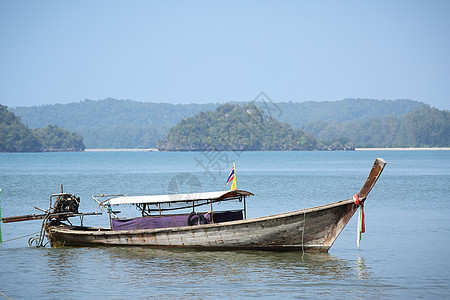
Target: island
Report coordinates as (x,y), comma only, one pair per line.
(15,136)
(244,127)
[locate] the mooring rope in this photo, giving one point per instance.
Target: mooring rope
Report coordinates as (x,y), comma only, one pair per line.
(40,241)
(5,296)
(20,237)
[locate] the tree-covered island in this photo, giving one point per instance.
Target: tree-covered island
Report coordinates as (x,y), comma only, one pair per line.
(15,136)
(234,127)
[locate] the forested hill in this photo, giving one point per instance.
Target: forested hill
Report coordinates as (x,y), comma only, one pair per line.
(14,135)
(112,123)
(424,127)
(17,137)
(233,127)
(108,113)
(299,114)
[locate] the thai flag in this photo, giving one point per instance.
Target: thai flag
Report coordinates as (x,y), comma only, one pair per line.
(231,176)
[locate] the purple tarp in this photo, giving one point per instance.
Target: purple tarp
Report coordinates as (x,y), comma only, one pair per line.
(171,220)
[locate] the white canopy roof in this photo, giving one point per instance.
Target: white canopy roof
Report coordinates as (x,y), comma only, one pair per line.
(176,198)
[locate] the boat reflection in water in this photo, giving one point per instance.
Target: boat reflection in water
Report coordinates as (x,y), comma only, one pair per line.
(166,272)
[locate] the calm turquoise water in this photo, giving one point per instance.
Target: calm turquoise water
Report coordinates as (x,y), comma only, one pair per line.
(403,254)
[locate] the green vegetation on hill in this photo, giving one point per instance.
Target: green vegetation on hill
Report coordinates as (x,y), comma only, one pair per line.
(54,138)
(108,113)
(14,135)
(125,136)
(114,123)
(347,110)
(17,137)
(234,127)
(424,127)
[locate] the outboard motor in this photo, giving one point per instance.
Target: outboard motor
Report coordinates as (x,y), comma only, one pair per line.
(66,203)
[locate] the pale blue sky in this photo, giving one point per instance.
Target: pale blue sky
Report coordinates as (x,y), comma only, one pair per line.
(216,51)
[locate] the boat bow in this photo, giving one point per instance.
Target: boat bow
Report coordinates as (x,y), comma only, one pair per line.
(374,174)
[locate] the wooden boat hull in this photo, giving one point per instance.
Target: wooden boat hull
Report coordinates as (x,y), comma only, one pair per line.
(308,229)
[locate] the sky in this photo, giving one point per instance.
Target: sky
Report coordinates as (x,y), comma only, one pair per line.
(217,51)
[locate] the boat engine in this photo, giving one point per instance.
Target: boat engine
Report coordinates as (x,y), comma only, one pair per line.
(66,203)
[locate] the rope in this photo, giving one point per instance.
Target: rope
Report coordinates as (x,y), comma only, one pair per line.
(5,296)
(20,237)
(40,241)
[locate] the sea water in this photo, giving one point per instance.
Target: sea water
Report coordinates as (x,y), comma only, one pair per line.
(403,254)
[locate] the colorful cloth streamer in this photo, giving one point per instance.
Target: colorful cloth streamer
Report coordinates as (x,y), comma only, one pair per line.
(361,222)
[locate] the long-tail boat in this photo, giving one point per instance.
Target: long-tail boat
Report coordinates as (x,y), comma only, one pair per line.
(159,224)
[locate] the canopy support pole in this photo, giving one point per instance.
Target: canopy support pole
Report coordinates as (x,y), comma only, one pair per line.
(212,214)
(245,209)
